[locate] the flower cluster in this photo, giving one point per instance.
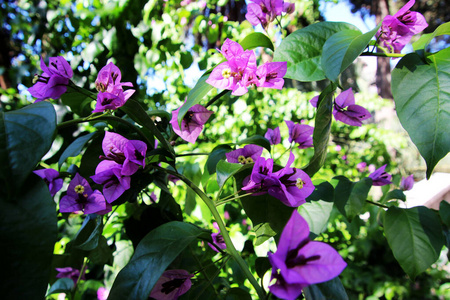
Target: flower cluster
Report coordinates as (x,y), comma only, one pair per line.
(345,109)
(54,81)
(121,160)
(192,123)
(396,31)
(289,185)
(265,11)
(299,262)
(240,71)
(111,94)
(380,177)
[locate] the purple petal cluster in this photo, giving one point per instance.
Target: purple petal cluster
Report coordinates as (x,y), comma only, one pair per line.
(299,262)
(192,123)
(301,134)
(346,111)
(121,160)
(51,178)
(380,177)
(407,183)
(289,185)
(217,239)
(81,197)
(171,285)
(265,11)
(111,94)
(273,135)
(69,272)
(396,31)
(54,81)
(247,155)
(240,71)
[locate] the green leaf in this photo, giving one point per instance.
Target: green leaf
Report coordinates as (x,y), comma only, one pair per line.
(237,294)
(332,290)
(153,255)
(256,140)
(415,237)
(425,39)
(303,50)
(323,191)
(256,39)
(89,233)
(263,232)
(75,148)
(225,170)
(102,254)
(422,98)
(217,154)
(62,285)
(25,136)
(395,194)
(136,112)
(349,197)
(200,90)
(27,237)
(78,102)
(444,212)
(322,129)
(316,213)
(159,113)
(341,50)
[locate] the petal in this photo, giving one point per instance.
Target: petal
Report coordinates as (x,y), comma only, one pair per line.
(69,204)
(231,49)
(95,203)
(294,233)
(345,98)
(113,142)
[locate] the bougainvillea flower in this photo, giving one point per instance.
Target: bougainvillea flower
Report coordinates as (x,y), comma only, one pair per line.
(102,293)
(217,239)
(380,177)
(108,79)
(128,153)
(80,197)
(271,74)
(192,123)
(301,134)
(51,178)
(314,100)
(396,31)
(171,285)
(361,166)
(265,11)
(407,183)
(53,82)
(112,100)
(299,262)
(69,272)
(273,135)
(109,174)
(247,155)
(346,111)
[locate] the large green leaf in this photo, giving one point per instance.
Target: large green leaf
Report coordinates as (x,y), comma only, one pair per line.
(330,290)
(425,39)
(349,197)
(75,147)
(225,170)
(415,237)
(322,128)
(25,136)
(27,237)
(341,50)
(303,50)
(152,256)
(316,213)
(62,285)
(422,99)
(256,39)
(79,102)
(89,233)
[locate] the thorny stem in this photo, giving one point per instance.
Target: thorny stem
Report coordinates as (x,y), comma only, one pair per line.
(377,204)
(223,231)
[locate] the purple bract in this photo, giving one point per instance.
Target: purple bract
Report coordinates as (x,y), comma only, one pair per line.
(301,134)
(380,177)
(407,183)
(273,135)
(346,111)
(171,285)
(192,123)
(51,178)
(247,155)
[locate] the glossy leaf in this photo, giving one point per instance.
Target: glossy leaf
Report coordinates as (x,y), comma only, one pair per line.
(342,49)
(256,39)
(256,140)
(62,285)
(422,99)
(89,233)
(152,256)
(330,290)
(303,48)
(349,197)
(225,170)
(316,213)
(75,148)
(27,238)
(415,237)
(425,39)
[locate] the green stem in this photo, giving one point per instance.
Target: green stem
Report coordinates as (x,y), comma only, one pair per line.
(382,54)
(377,204)
(223,231)
(81,90)
(191,154)
(220,202)
(217,97)
(83,269)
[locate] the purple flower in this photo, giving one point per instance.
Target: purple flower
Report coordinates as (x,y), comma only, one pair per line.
(109,174)
(80,197)
(112,100)
(247,155)
(289,185)
(271,75)
(69,272)
(361,166)
(265,11)
(171,285)
(53,82)
(192,123)
(346,111)
(407,183)
(314,101)
(108,79)
(380,177)
(273,135)
(50,177)
(128,153)
(217,239)
(397,30)
(299,262)
(102,293)
(301,134)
